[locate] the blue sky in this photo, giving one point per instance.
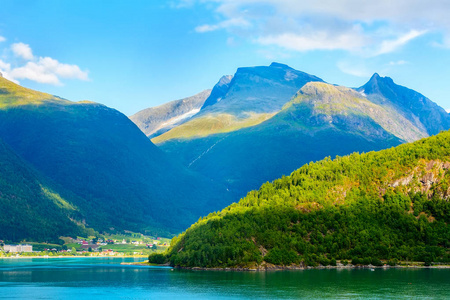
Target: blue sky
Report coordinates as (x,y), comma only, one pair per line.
(131,55)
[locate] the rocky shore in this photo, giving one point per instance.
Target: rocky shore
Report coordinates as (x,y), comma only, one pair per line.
(270,267)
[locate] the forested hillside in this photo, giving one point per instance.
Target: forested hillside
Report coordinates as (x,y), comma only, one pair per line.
(123,180)
(390,205)
(32,208)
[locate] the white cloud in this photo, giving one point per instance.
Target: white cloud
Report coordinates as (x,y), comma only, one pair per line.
(320,40)
(22,50)
(388,46)
(2,39)
(398,63)
(40,69)
(5,68)
(48,70)
(237,22)
(430,13)
(382,23)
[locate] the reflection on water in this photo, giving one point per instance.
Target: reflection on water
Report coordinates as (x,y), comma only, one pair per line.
(105,277)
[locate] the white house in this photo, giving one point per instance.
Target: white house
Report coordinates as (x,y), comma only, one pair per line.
(18,248)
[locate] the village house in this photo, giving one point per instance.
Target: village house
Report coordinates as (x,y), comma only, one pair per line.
(18,248)
(109,252)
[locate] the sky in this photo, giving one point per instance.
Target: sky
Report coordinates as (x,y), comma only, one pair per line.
(131,55)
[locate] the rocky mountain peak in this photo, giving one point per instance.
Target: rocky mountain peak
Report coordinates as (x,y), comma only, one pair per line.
(279,65)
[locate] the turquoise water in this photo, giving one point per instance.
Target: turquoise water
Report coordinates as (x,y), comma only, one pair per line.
(85,278)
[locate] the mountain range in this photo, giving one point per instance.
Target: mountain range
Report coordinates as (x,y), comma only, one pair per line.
(264,122)
(92,168)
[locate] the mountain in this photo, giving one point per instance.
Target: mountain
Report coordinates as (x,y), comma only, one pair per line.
(250,97)
(421,111)
(267,121)
(98,154)
(32,208)
(258,89)
(298,134)
(157,120)
(391,205)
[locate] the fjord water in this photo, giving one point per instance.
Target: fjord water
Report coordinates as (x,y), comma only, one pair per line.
(70,278)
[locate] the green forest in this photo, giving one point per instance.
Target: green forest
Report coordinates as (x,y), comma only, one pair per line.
(389,205)
(33,208)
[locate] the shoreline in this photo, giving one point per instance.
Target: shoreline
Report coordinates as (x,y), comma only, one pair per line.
(265,268)
(260,268)
(75,256)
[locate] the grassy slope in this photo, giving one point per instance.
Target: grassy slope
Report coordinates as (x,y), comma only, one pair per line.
(13,95)
(383,205)
(211,124)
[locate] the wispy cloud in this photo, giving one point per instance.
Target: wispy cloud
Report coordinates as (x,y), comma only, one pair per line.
(384,26)
(398,63)
(237,22)
(2,39)
(388,46)
(22,50)
(39,69)
(320,40)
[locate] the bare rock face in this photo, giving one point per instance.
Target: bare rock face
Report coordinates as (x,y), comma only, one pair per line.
(425,179)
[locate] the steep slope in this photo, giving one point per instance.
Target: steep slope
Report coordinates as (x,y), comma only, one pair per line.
(251,96)
(219,91)
(30,207)
(421,111)
(101,156)
(321,120)
(392,204)
(157,120)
